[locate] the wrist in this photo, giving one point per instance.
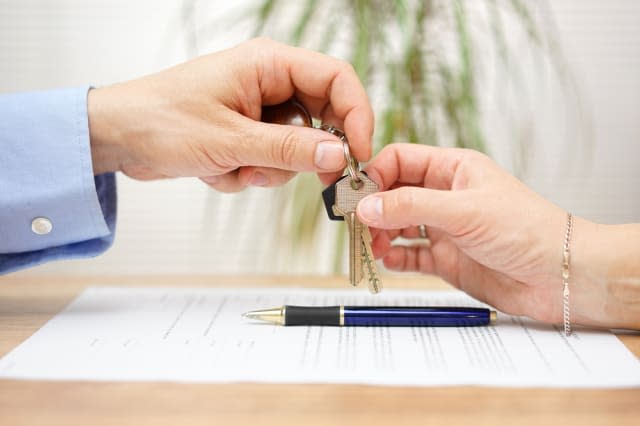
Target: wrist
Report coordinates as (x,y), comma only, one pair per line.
(605,275)
(622,274)
(105,132)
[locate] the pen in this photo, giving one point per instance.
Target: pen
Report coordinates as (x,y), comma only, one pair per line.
(398,316)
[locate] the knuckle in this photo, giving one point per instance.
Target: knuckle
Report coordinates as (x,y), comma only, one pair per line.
(229,189)
(260,41)
(285,152)
(405,199)
(221,162)
(277,179)
(228,184)
(402,205)
(347,68)
(473,155)
(389,149)
(395,150)
(205,160)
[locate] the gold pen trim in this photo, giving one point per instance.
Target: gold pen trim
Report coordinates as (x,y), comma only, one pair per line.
(275,316)
(493,317)
(341,316)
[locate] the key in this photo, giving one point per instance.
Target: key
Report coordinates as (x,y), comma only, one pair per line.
(329,198)
(342,197)
(369,262)
(355,248)
(347,195)
(354,227)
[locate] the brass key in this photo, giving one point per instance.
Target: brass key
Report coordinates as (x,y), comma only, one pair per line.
(354,227)
(348,191)
(375,283)
(342,197)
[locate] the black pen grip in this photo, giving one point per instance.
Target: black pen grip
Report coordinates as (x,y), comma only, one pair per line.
(312,315)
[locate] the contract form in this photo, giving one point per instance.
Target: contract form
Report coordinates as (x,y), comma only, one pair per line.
(199,335)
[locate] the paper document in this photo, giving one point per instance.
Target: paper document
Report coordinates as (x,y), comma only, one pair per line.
(198,335)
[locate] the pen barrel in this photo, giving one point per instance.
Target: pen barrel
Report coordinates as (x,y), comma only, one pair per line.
(312,315)
(406,316)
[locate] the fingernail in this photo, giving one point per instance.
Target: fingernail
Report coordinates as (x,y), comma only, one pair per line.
(210,179)
(370,209)
(258,179)
(329,155)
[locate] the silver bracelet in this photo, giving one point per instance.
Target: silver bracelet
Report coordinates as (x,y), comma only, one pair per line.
(565,276)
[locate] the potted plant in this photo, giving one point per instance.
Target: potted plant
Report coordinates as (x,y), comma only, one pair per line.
(420,62)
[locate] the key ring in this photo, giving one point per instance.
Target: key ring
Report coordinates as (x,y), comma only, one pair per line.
(353,166)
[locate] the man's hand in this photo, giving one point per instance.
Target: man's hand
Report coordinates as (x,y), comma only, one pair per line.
(202,118)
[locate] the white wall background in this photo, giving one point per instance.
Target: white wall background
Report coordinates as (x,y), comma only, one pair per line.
(183,227)
(601,41)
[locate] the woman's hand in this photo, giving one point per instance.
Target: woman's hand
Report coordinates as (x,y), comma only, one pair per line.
(497,240)
(202,118)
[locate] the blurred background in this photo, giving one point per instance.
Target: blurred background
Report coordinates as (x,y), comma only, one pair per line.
(560,110)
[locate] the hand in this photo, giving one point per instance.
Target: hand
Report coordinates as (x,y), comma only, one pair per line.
(202,118)
(497,240)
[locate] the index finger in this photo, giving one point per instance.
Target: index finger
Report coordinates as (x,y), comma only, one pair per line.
(403,164)
(319,82)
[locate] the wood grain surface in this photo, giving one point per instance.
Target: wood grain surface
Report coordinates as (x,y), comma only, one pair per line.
(26,303)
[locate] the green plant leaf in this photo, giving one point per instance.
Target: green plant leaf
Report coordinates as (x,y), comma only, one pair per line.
(425,77)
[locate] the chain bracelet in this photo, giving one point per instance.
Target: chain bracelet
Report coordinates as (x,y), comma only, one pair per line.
(566,315)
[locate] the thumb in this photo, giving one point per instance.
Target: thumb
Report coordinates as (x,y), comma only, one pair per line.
(412,206)
(293,148)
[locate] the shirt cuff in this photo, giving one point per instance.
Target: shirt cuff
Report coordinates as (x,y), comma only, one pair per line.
(106,191)
(49,197)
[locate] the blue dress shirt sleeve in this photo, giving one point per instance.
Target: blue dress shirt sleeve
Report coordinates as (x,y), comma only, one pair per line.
(51,205)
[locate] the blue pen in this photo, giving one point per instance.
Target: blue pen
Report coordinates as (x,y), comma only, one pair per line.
(388,316)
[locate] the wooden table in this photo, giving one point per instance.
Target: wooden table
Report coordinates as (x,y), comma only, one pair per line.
(26,303)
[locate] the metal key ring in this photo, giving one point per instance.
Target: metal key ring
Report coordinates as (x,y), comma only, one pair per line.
(353,166)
